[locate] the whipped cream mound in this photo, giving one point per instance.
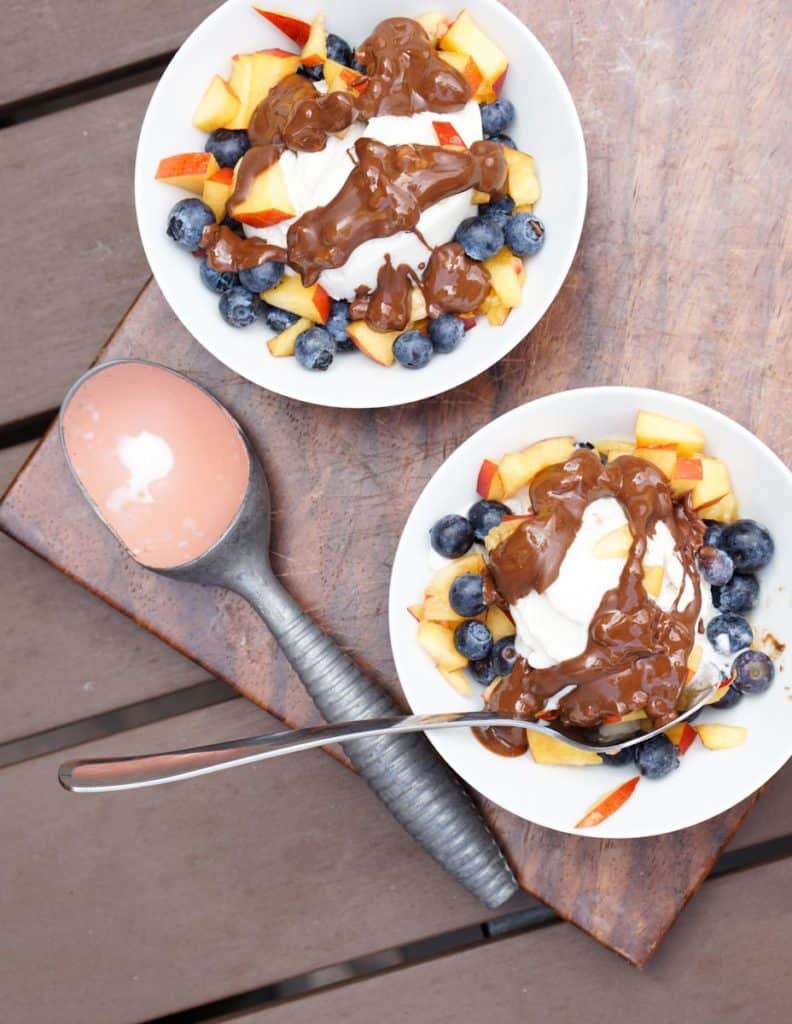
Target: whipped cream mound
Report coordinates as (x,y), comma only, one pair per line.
(313,179)
(553,627)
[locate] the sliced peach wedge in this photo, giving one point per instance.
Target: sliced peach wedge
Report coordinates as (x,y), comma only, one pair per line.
(653,430)
(377,345)
(518,468)
(312,302)
(186,170)
(218,105)
(283,344)
(267,201)
(217,190)
(609,804)
(315,48)
(294,28)
(489,484)
(252,77)
(466,37)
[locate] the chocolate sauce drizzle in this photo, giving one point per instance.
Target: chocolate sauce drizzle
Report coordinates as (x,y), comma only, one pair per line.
(226,251)
(636,655)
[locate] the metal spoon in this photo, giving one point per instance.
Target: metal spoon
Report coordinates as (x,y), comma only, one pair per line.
(404,771)
(109,774)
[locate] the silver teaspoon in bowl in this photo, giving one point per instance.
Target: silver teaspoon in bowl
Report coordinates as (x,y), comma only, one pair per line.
(109,774)
(172,475)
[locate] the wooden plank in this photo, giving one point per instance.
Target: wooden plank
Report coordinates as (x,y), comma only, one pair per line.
(65,655)
(67,183)
(66,41)
(142,903)
(726,963)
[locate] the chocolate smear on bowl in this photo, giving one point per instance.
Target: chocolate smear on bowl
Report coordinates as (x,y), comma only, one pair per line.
(636,655)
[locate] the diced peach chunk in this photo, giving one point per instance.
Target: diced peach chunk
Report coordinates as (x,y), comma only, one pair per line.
(377,345)
(267,201)
(311,302)
(652,429)
(186,170)
(438,642)
(518,468)
(714,484)
(295,28)
(547,749)
(505,277)
(252,77)
(283,344)
(465,36)
(662,458)
(315,48)
(523,185)
(489,484)
(721,737)
(458,680)
(498,623)
(218,105)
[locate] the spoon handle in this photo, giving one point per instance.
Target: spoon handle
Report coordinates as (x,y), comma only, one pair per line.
(102,775)
(404,771)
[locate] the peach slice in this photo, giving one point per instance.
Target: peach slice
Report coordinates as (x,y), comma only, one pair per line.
(377,345)
(252,77)
(504,530)
(467,67)
(682,735)
(547,749)
(714,484)
(721,737)
(283,344)
(315,48)
(417,305)
(218,105)
(295,28)
(440,583)
(724,511)
(615,544)
(447,135)
(613,449)
(504,270)
(489,484)
(653,429)
(186,170)
(496,311)
(662,458)
(434,24)
(498,623)
(416,610)
(653,579)
(267,201)
(523,185)
(465,36)
(687,473)
(609,804)
(458,681)
(519,468)
(312,302)
(438,642)
(217,189)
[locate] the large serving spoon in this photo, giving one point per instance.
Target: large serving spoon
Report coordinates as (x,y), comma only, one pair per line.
(108,774)
(404,770)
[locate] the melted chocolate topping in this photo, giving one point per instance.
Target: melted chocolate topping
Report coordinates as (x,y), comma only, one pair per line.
(386,193)
(296,115)
(255,161)
(388,307)
(225,250)
(405,74)
(453,283)
(636,655)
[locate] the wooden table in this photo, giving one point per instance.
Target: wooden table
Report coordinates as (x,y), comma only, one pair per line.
(196,902)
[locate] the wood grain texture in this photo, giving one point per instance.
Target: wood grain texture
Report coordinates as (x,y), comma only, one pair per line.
(66,656)
(709,974)
(72,259)
(665,292)
(167,898)
(55,43)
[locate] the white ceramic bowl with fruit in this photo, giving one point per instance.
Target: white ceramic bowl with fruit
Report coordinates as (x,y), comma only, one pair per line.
(550,158)
(728,753)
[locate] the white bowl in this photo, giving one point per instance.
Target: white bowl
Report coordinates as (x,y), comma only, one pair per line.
(547,126)
(708,782)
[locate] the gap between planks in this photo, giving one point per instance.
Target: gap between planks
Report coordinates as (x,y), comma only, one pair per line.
(450,943)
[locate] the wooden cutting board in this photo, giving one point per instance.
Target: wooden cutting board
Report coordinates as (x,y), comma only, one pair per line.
(343,484)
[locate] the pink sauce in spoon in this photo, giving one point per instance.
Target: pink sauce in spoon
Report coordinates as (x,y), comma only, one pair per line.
(164,464)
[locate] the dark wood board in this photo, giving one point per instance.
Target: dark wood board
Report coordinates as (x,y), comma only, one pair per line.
(678,284)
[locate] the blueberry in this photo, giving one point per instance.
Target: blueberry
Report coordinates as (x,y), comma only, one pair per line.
(715,566)
(496,117)
(472,639)
(749,544)
(503,655)
(499,210)
(413,350)
(525,234)
(451,536)
(279,319)
(656,757)
(753,672)
(239,307)
(313,72)
(738,595)
(504,140)
(338,49)
(234,225)
(262,277)
(624,756)
(445,332)
(729,699)
(466,595)
(337,323)
(486,514)
(216,280)
(314,349)
(729,633)
(186,222)
(227,145)
(482,671)
(712,537)
(480,237)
